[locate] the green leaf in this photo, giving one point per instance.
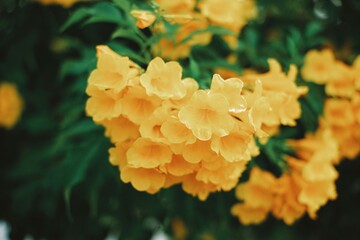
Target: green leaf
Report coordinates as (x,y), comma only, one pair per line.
(76,17)
(128,34)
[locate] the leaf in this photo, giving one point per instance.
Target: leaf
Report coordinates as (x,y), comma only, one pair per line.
(102,12)
(128,34)
(78,16)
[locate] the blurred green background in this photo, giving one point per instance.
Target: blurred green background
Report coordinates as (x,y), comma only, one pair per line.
(55,179)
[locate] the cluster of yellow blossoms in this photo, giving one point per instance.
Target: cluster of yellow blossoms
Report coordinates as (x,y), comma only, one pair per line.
(310,181)
(167,131)
(308,185)
(11,105)
(342,108)
(193,18)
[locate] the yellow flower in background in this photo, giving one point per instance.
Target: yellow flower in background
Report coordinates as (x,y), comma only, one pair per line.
(198,188)
(64,3)
(11,105)
(187,34)
(163,79)
(206,114)
(248,214)
(285,204)
(258,190)
(319,66)
(179,229)
(144,18)
(280,92)
(342,116)
(176,6)
(338,112)
(342,84)
(232,14)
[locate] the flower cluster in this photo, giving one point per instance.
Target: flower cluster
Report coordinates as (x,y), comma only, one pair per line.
(342,108)
(308,185)
(166,130)
(192,18)
(11,105)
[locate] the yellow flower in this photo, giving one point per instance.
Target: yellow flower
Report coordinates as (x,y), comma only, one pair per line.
(171,49)
(163,79)
(258,190)
(235,146)
(316,194)
(248,214)
(285,204)
(151,128)
(137,105)
(120,129)
(141,179)
(191,86)
(176,6)
(342,84)
(338,112)
(232,14)
(319,171)
(144,18)
(179,229)
(231,88)
(145,153)
(11,105)
(198,188)
(206,114)
(223,174)
(195,152)
(64,3)
(103,104)
(281,93)
(176,132)
(117,154)
(319,66)
(113,71)
(179,167)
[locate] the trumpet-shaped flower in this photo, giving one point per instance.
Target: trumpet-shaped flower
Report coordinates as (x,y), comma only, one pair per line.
(145,153)
(163,79)
(103,104)
(144,18)
(206,114)
(180,167)
(231,88)
(142,179)
(137,105)
(233,147)
(113,71)
(120,129)
(176,132)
